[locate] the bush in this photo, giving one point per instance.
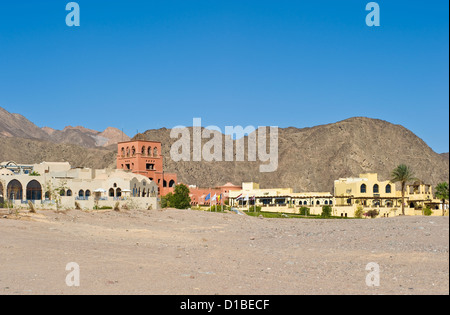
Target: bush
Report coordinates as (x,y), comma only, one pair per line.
(359,212)
(371,213)
(326,211)
(32,209)
(305,211)
(254,209)
(427,211)
(165,200)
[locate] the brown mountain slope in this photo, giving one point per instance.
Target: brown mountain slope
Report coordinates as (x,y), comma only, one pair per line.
(15,125)
(311,159)
(30,151)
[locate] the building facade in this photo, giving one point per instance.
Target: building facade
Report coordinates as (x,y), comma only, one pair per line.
(145,158)
(49,184)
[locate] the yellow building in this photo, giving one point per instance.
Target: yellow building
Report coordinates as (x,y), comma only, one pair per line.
(370,193)
(277,199)
(366,190)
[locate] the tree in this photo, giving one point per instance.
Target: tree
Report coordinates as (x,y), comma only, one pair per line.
(180,199)
(402,174)
(442,194)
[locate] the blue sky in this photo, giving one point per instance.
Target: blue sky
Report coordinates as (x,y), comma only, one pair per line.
(141,65)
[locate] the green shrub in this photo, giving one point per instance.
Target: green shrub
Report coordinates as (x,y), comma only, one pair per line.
(254,209)
(326,211)
(305,211)
(427,211)
(359,212)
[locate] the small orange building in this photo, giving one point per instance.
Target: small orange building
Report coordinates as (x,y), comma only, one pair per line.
(145,158)
(199,195)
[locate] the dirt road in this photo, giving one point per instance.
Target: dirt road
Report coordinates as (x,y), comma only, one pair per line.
(176,252)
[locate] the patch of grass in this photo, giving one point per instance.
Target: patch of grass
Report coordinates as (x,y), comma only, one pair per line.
(277,215)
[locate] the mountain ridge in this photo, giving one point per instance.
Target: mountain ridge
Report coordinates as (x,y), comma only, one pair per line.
(309,159)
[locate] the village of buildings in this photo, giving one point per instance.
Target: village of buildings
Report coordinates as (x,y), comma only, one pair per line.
(139,181)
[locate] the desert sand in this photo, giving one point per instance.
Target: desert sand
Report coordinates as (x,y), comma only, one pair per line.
(178,252)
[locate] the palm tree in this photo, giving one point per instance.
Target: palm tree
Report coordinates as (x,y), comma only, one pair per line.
(442,193)
(402,174)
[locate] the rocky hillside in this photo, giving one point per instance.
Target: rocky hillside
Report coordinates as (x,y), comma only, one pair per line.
(30,151)
(15,125)
(311,159)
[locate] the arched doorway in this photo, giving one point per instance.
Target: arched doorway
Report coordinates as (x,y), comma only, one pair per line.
(14,190)
(111,192)
(34,190)
(118,192)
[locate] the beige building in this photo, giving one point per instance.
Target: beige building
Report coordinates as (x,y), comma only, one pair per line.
(365,190)
(278,199)
(49,185)
(369,192)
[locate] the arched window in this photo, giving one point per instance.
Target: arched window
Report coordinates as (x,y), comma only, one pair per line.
(155,152)
(87,193)
(318,202)
(143,151)
(69,193)
(34,190)
(326,202)
(81,193)
(133,151)
(14,190)
(172,183)
(62,192)
(118,192)
(164,183)
(388,189)
(123,152)
(149,151)
(128,152)
(111,192)
(376,189)
(363,188)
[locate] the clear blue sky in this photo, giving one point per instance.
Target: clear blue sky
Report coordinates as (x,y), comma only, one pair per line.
(140,65)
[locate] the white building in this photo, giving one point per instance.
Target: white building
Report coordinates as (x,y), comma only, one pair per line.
(53,184)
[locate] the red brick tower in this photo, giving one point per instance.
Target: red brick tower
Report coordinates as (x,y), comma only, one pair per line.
(144,158)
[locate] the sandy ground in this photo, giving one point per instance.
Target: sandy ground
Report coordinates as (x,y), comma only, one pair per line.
(175,252)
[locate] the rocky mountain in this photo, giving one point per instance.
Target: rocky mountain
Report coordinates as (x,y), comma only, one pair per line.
(30,151)
(15,125)
(309,159)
